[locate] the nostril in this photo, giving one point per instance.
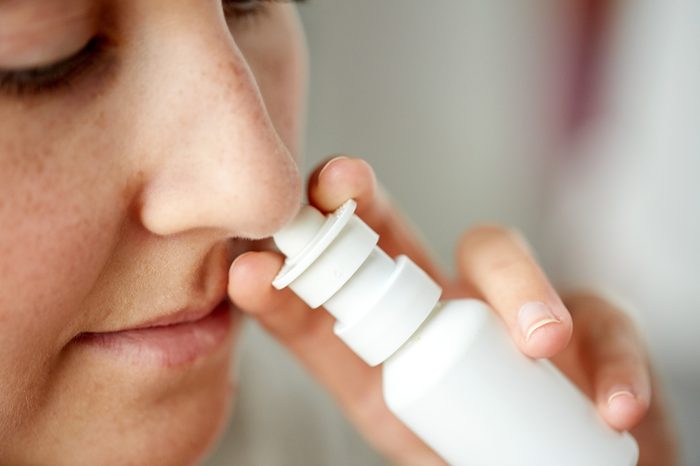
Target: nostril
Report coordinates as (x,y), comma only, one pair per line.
(167,214)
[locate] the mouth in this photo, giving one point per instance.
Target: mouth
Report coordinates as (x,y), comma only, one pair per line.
(172,340)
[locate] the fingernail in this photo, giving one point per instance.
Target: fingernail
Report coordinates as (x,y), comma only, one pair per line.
(331,162)
(620,391)
(533,316)
(236,259)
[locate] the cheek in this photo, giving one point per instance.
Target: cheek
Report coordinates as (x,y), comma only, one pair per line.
(56,230)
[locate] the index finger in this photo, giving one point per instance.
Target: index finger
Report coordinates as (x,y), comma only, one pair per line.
(343,178)
(498,264)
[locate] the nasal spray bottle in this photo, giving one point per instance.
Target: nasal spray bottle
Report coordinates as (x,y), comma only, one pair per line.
(451,372)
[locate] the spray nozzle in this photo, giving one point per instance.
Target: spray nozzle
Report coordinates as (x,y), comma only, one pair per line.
(334,261)
(292,239)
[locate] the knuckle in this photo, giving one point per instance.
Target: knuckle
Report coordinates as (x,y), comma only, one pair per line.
(493,247)
(504,265)
(482,234)
(487,231)
(489,234)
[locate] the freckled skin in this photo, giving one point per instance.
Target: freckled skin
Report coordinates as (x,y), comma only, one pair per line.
(118,195)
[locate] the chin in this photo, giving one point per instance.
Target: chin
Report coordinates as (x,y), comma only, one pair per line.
(115,418)
(182,427)
(188,432)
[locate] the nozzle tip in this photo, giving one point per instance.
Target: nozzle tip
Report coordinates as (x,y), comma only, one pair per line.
(291,239)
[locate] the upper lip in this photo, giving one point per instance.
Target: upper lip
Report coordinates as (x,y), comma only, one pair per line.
(186,314)
(190,307)
(196,307)
(180,316)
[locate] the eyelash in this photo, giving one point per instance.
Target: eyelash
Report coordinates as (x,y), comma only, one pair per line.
(239,10)
(52,76)
(56,75)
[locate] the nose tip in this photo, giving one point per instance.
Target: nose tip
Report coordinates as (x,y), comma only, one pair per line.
(247,200)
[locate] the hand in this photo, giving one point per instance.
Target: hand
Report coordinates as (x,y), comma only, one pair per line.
(607,360)
(496,266)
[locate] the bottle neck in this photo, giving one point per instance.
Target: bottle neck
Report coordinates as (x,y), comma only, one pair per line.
(378,302)
(364,288)
(382,305)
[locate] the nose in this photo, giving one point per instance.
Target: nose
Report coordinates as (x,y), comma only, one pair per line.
(217,162)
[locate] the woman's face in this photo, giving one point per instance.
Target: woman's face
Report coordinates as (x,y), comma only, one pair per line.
(136,137)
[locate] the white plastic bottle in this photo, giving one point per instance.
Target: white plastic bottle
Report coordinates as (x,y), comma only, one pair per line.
(451,371)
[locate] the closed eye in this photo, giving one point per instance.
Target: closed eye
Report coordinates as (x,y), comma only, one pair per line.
(45,78)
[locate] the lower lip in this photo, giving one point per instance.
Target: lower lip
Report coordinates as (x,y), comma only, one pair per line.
(171,345)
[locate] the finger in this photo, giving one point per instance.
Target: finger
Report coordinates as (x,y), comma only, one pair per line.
(297,327)
(611,350)
(498,264)
(656,435)
(343,178)
(308,334)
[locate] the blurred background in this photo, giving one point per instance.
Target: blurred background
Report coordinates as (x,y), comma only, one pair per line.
(575,121)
